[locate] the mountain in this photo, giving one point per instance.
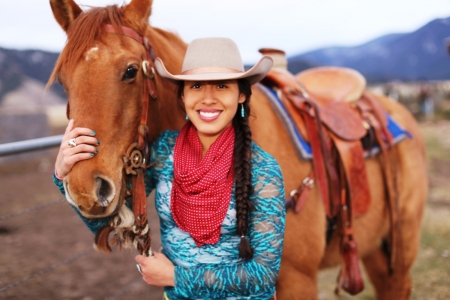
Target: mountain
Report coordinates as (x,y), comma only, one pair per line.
(16,66)
(419,55)
(27,109)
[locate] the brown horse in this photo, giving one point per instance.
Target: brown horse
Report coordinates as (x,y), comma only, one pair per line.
(101,73)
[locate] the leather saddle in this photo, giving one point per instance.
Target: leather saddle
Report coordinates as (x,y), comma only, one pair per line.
(333,112)
(333,84)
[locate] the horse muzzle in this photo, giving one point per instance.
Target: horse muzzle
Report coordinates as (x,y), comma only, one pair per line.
(96,199)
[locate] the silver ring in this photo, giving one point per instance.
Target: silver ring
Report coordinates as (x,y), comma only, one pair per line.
(138,266)
(72,142)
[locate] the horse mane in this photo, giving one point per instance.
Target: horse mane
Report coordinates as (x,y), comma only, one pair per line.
(83,33)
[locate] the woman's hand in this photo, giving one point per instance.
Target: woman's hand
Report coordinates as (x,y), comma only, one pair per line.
(69,155)
(157,270)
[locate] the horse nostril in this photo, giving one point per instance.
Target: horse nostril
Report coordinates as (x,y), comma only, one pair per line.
(105,191)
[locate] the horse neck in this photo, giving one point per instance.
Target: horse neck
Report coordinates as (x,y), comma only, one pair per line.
(165,113)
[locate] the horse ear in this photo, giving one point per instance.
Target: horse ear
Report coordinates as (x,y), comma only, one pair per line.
(65,12)
(139,10)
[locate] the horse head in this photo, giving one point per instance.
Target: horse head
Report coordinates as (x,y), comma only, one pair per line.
(102,71)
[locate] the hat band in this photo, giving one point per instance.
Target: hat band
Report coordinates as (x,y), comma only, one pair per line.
(210,70)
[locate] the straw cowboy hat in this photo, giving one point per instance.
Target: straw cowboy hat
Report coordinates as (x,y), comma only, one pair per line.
(215,59)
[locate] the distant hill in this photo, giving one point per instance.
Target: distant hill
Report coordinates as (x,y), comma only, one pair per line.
(27,110)
(419,55)
(18,65)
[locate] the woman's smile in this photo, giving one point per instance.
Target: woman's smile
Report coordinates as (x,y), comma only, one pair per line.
(208,115)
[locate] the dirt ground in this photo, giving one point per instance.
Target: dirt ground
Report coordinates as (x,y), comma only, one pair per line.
(47,253)
(53,245)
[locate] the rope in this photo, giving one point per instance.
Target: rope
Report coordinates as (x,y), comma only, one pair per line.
(48,269)
(124,289)
(31,209)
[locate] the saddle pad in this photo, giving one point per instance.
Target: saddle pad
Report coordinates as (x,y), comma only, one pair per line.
(302,147)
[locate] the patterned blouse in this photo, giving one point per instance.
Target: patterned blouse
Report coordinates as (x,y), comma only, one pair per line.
(216,271)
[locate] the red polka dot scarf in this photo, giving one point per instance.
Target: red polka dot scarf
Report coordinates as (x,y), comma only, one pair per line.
(201,189)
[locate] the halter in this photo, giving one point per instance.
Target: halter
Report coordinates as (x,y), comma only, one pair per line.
(138,154)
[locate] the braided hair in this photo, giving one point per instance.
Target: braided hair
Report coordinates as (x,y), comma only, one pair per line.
(242,165)
(242,169)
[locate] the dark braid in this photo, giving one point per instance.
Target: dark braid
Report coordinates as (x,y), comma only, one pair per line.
(242,170)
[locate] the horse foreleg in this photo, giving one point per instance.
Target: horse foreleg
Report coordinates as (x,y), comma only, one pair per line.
(304,247)
(395,286)
(398,284)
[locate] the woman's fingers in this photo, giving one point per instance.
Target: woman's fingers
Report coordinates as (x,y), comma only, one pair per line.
(81,136)
(79,131)
(85,147)
(81,148)
(82,139)
(157,270)
(72,159)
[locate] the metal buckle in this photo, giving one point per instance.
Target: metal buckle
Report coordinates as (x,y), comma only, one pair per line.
(145,69)
(293,193)
(133,160)
(308,182)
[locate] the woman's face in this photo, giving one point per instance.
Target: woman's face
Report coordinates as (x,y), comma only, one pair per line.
(211,105)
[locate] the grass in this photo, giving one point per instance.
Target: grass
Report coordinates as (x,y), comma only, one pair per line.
(431,272)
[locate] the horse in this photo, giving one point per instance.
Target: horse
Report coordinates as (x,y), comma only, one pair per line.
(103,75)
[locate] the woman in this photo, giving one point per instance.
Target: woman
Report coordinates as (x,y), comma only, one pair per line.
(220,197)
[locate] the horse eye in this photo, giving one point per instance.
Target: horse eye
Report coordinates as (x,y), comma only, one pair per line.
(130,73)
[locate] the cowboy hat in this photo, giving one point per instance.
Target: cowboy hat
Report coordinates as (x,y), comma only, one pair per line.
(215,59)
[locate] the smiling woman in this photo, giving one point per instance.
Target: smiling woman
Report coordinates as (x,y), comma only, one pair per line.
(213,234)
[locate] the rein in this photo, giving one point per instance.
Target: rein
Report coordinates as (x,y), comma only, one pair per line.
(138,153)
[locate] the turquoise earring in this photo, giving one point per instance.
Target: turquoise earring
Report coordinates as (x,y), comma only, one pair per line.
(242,110)
(187,117)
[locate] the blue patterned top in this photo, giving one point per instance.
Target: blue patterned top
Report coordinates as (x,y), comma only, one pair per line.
(216,271)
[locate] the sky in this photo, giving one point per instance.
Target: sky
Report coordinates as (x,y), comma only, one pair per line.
(295,26)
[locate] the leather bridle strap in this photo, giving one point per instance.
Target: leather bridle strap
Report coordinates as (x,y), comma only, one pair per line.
(146,63)
(138,154)
(125,31)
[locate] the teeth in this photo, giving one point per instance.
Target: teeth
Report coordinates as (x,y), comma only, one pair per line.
(208,114)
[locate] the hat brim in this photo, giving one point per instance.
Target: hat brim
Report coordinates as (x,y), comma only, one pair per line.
(253,75)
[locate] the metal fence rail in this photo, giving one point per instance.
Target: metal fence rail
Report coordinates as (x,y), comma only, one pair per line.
(30,145)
